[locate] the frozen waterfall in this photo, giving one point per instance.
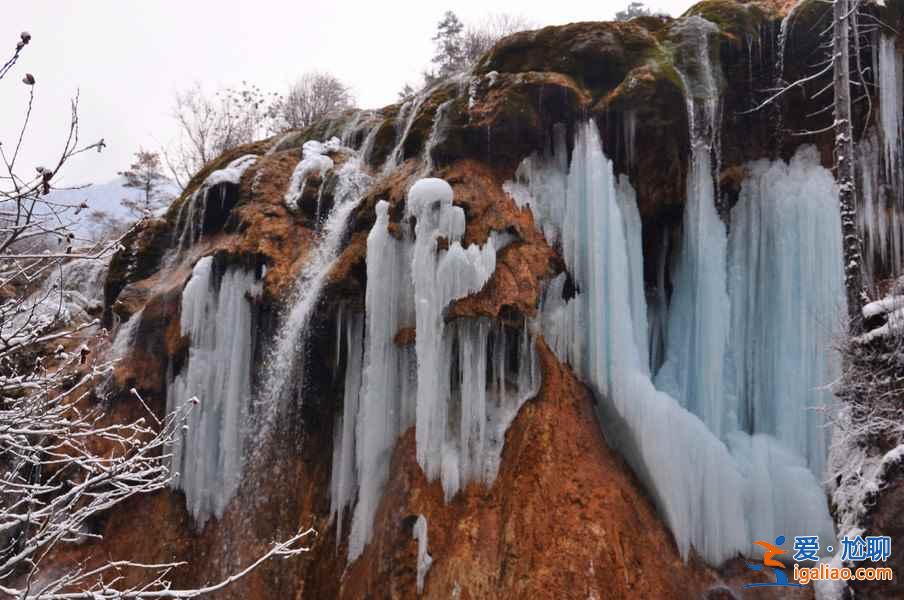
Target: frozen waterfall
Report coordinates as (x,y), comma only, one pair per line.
(881,172)
(786,288)
(718,486)
(461,384)
(217,317)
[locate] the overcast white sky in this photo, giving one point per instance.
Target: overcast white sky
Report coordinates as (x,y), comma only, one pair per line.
(129,57)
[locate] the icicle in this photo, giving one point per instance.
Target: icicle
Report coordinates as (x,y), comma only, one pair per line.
(387,394)
(424,560)
(891,105)
(344,475)
(460,430)
(217,318)
(438,280)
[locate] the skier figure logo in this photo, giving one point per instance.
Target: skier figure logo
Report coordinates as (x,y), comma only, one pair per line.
(778,569)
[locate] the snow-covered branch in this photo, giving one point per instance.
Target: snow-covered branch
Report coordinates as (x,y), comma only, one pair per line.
(64,460)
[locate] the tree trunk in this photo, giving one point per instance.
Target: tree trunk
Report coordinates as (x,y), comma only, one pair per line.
(844,163)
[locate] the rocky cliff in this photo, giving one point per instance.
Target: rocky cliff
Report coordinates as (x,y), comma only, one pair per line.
(289,225)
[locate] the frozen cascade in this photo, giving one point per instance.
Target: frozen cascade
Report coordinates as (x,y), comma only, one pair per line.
(439,278)
(891,93)
(352,182)
(387,393)
(697,330)
(881,210)
(461,384)
(343,482)
(699,314)
(190,222)
(723,493)
(626,198)
(879,215)
(786,297)
(218,319)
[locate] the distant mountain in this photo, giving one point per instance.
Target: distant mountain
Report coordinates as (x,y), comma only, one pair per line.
(107,198)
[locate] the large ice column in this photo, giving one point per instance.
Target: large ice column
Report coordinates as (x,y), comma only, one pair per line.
(387,389)
(694,479)
(626,198)
(699,313)
(439,278)
(461,384)
(787,294)
(717,492)
(699,317)
(217,318)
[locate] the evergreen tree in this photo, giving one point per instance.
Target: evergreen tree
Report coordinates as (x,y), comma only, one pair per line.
(449,57)
(146,175)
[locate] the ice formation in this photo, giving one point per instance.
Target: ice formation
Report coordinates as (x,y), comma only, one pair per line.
(424,560)
(881,210)
(718,490)
(438,280)
(314,161)
(890,70)
(343,482)
(190,222)
(461,384)
(786,300)
(387,378)
(880,222)
(217,317)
